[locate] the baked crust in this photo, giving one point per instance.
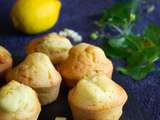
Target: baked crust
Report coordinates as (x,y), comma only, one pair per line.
(38,72)
(53,45)
(83,59)
(5,61)
(32,107)
(88,103)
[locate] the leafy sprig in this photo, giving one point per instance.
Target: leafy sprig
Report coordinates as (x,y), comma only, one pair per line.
(139,50)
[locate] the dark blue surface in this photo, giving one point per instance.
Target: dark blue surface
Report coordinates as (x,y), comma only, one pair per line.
(144,95)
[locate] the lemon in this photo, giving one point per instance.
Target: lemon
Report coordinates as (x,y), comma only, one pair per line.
(35,16)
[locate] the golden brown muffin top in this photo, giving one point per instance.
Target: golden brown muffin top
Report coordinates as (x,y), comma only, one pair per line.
(53,45)
(16,97)
(5,59)
(96,91)
(50,42)
(83,59)
(36,71)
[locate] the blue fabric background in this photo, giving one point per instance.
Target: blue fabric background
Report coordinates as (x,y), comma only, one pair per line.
(144,95)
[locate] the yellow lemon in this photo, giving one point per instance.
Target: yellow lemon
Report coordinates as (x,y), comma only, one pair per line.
(35,16)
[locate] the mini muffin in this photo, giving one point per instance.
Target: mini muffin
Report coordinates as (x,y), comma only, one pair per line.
(18,102)
(38,72)
(53,45)
(5,61)
(83,59)
(96,97)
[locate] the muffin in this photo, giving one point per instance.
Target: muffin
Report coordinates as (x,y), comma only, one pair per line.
(83,59)
(18,102)
(96,97)
(38,72)
(5,61)
(53,45)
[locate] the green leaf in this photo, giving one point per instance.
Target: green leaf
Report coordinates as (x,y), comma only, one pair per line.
(118,42)
(118,14)
(137,72)
(136,58)
(134,41)
(115,52)
(139,51)
(140,63)
(152,54)
(152,33)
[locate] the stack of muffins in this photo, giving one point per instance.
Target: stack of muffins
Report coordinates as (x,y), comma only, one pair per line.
(36,81)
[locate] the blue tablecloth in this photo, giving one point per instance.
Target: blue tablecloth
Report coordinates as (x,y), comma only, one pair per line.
(144,95)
